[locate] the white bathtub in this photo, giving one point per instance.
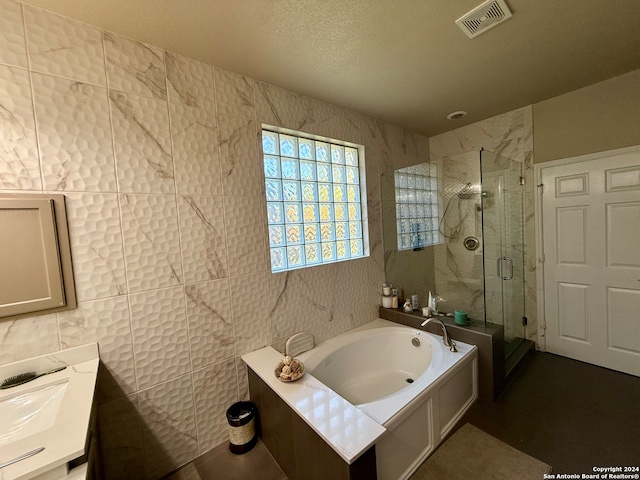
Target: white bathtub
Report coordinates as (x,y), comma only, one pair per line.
(416,392)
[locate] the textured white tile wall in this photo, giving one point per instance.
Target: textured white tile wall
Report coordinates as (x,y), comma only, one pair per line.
(74,135)
(63,47)
(159,158)
(194,133)
(210,327)
(142,141)
(20,164)
(12,43)
(106,319)
(135,67)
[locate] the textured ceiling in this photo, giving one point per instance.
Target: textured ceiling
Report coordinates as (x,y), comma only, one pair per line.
(404,61)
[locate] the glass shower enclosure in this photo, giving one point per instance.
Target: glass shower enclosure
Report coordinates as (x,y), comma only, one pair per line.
(477,263)
(502,206)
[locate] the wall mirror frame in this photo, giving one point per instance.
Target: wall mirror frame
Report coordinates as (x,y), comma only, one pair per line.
(35,256)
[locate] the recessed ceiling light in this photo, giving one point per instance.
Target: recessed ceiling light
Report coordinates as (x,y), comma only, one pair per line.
(456,115)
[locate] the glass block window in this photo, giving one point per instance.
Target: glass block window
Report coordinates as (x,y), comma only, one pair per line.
(416,190)
(315,198)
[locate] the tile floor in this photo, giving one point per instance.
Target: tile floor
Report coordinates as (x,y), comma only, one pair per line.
(569,414)
(221,464)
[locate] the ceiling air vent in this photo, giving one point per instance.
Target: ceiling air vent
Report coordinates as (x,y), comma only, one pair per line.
(483,17)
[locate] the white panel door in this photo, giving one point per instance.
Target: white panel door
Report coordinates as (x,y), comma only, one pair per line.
(591,246)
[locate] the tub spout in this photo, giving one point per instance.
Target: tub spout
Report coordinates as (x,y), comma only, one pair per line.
(446,339)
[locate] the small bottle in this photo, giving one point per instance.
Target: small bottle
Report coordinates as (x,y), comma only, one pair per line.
(401,298)
(394,298)
(415,304)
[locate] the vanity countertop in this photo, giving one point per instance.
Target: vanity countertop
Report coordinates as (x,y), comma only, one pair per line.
(345,428)
(65,439)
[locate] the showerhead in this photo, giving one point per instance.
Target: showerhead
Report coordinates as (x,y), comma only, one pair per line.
(466,192)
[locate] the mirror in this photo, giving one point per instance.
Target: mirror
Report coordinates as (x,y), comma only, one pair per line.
(35,256)
(410,207)
(480,201)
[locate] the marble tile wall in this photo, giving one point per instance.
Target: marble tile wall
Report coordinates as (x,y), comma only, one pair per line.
(510,135)
(159,158)
(458,274)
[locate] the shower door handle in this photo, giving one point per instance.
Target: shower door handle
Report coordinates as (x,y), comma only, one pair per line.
(510,261)
(499,268)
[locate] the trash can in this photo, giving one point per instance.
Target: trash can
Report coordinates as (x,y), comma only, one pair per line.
(242,427)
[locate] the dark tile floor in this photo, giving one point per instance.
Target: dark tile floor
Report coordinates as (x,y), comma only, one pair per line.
(221,464)
(571,415)
(568,414)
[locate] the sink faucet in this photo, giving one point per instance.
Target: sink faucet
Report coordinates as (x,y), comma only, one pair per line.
(448,341)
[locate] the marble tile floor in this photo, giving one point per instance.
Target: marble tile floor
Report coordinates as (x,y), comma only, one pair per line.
(566,413)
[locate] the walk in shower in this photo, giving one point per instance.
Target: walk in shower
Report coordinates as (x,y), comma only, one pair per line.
(476,262)
(502,206)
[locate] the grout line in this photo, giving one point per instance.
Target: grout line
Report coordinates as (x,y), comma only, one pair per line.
(195,411)
(222,198)
(178,217)
(128,295)
(33,102)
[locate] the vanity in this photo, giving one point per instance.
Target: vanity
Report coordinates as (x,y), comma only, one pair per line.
(52,419)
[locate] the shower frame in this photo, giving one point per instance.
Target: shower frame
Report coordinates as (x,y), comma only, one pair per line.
(483,198)
(502,208)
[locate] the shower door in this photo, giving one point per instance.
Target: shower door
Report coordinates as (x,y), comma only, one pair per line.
(503,235)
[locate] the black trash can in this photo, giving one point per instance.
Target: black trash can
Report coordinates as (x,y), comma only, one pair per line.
(242,427)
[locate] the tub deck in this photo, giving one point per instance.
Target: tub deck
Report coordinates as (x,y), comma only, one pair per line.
(345,428)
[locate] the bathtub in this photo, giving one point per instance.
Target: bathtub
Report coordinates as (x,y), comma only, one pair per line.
(403,378)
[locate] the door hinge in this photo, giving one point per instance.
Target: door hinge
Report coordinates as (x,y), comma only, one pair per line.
(542,258)
(524,321)
(521,180)
(541,187)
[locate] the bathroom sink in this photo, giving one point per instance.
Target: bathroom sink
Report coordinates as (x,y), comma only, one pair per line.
(28,411)
(49,417)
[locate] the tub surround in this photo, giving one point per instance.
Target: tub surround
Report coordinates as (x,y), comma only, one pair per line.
(387,437)
(297,449)
(489,339)
(67,438)
(348,430)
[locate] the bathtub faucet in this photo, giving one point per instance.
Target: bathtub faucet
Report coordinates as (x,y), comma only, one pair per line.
(446,339)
